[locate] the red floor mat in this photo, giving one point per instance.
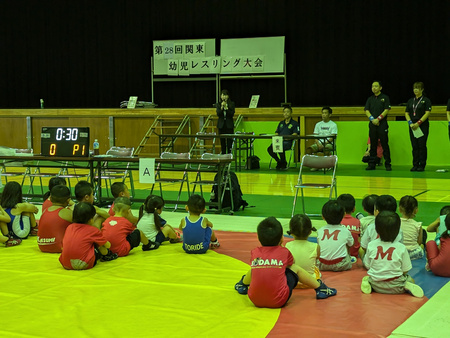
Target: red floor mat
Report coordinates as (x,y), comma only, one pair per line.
(349,314)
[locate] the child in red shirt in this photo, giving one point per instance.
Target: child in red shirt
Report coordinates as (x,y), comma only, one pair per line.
(53,182)
(351,223)
(84,192)
(55,220)
(273,274)
(83,243)
(119,231)
(120,189)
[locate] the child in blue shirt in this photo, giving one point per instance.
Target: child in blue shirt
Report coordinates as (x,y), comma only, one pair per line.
(198,235)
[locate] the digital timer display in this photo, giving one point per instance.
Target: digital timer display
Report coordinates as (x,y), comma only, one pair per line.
(65,141)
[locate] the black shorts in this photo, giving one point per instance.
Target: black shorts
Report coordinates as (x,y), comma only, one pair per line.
(292,281)
(134,239)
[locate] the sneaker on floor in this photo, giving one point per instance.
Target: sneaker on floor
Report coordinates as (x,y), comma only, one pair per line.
(34,231)
(370,167)
(388,167)
(240,287)
(414,289)
(12,242)
(150,246)
(323,291)
(110,256)
(175,240)
(215,245)
(365,285)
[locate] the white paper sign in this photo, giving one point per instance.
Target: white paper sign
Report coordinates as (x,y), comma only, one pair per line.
(132,102)
(418,133)
(146,170)
(277,144)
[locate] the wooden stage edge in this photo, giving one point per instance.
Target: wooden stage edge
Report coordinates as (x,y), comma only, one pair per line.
(257,113)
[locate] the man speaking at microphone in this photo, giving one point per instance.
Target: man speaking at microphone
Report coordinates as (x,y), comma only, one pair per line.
(225,125)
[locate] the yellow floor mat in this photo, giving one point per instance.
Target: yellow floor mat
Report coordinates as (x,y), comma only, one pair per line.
(164,292)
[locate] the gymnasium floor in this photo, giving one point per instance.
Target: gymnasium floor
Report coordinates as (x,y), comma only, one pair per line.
(168,293)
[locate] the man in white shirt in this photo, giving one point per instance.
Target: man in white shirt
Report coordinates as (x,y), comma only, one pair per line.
(324,128)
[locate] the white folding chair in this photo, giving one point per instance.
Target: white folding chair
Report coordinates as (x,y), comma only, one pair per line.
(109,173)
(4,172)
(172,180)
(225,182)
(327,182)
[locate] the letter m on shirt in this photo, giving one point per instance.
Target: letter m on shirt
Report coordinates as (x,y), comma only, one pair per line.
(381,254)
(327,235)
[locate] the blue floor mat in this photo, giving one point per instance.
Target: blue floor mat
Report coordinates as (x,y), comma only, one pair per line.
(429,282)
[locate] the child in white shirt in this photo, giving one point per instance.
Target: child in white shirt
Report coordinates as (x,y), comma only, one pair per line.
(334,239)
(412,230)
(388,261)
(305,252)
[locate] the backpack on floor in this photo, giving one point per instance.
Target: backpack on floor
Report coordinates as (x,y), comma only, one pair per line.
(238,202)
(252,162)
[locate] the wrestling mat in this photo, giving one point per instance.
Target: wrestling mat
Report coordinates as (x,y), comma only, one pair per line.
(168,293)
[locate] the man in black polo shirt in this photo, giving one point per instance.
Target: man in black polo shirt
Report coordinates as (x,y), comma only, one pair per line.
(286,127)
(376,109)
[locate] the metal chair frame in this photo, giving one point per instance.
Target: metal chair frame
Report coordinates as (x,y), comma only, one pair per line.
(184,179)
(291,150)
(226,179)
(318,162)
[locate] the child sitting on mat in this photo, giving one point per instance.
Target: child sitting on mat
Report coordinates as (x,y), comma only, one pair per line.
(55,220)
(439,255)
(368,204)
(120,189)
(388,261)
(22,222)
(120,232)
(198,235)
(6,240)
(351,223)
(273,274)
(334,239)
(438,226)
(84,192)
(152,225)
(305,253)
(83,243)
(413,234)
(54,181)
(383,203)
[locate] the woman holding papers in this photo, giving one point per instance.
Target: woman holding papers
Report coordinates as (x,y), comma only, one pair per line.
(418,110)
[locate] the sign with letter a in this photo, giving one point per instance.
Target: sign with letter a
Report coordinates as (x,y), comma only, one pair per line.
(146,170)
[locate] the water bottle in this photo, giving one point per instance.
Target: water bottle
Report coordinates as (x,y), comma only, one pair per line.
(96,147)
(42,103)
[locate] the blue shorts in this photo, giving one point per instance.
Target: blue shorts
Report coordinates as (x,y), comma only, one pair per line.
(160,237)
